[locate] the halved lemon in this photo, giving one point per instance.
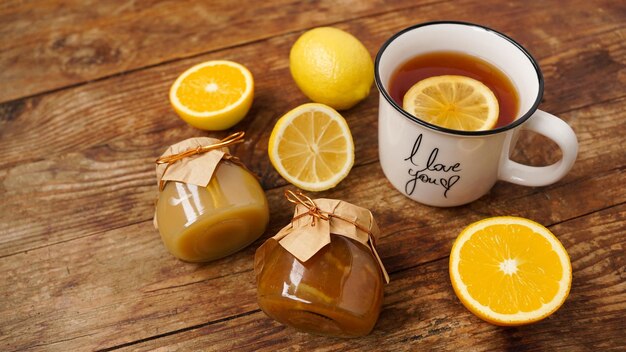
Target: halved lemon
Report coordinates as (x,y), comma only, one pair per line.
(454,102)
(509,270)
(213,95)
(311,147)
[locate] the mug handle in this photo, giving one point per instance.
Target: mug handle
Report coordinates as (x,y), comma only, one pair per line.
(555,129)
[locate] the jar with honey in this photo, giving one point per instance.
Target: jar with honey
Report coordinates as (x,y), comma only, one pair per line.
(209,204)
(321,273)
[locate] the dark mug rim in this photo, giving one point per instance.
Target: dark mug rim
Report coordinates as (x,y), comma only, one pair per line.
(512,125)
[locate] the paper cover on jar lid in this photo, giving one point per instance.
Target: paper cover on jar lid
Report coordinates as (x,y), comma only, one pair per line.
(196,169)
(194,161)
(314,221)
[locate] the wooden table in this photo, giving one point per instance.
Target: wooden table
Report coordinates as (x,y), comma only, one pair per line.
(84,113)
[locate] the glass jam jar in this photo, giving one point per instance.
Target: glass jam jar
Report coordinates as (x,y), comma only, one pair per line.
(199,224)
(336,292)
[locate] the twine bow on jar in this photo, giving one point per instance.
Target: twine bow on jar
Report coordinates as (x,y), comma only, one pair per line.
(234,138)
(313,210)
(314,221)
(194,160)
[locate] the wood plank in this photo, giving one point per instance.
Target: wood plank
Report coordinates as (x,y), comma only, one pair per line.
(119,287)
(421,311)
(78,41)
(100,166)
(130,105)
(110,186)
(83,268)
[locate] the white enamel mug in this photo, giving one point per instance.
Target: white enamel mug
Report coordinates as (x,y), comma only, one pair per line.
(443,167)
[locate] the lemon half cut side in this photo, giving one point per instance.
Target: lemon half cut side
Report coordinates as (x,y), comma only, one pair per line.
(311,147)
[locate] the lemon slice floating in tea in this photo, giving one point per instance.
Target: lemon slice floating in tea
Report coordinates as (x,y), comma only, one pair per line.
(454,102)
(213,95)
(311,147)
(509,270)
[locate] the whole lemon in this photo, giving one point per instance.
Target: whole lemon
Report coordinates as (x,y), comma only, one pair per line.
(331,67)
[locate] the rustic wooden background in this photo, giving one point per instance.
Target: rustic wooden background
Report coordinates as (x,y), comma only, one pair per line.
(84,113)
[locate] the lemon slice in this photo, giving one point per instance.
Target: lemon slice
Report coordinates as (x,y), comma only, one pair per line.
(311,147)
(454,102)
(509,270)
(213,95)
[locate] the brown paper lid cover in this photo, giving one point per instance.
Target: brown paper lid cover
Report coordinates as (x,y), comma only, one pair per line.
(315,220)
(196,169)
(194,161)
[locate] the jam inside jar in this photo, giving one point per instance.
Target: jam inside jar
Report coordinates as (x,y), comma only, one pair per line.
(337,292)
(199,224)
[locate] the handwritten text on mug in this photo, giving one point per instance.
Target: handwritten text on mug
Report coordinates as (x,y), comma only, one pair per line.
(431,166)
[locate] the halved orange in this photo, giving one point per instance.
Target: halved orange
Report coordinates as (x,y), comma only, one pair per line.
(509,270)
(213,95)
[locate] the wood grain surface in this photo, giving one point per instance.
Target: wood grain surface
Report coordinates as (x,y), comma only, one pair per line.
(84,113)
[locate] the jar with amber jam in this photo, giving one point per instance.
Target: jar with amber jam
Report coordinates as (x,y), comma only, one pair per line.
(202,223)
(338,291)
